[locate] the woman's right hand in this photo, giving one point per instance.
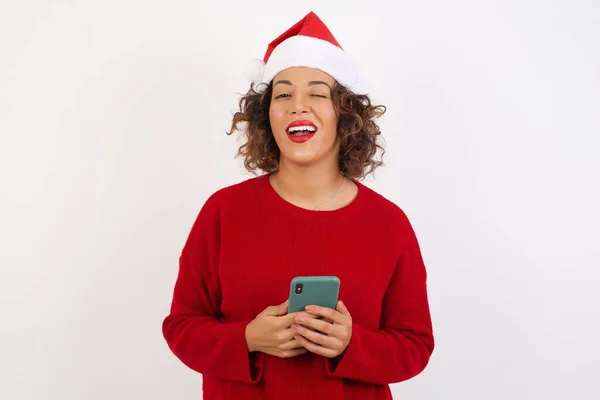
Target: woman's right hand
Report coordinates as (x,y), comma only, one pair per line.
(270,332)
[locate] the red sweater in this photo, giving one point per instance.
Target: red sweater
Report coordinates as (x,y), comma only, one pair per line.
(244,248)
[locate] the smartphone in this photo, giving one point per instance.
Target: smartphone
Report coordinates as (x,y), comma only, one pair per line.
(313,290)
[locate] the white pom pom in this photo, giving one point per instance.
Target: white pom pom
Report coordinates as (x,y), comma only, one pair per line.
(255,70)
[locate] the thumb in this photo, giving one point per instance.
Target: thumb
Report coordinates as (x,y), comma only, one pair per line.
(283,308)
(277,310)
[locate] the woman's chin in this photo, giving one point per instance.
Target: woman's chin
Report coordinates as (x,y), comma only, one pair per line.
(300,158)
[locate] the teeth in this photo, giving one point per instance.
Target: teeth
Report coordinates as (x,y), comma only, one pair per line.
(307,128)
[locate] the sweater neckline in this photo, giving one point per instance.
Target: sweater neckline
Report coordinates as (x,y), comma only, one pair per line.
(342,212)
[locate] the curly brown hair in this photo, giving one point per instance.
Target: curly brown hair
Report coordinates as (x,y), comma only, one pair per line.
(356,129)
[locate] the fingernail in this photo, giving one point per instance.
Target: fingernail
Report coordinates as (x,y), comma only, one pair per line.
(300,319)
(310,308)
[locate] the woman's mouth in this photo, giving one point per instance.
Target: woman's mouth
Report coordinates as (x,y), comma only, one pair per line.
(301,131)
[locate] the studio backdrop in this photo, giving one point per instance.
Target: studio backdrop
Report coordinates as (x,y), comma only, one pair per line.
(113,121)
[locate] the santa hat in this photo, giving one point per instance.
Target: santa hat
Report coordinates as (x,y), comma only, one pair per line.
(308,43)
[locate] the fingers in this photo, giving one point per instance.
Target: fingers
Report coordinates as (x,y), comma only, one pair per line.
(285,335)
(290,344)
(287,320)
(329,313)
(334,328)
(330,342)
(335,340)
(315,348)
(293,353)
(321,325)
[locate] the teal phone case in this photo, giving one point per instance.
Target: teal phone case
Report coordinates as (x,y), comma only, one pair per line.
(315,290)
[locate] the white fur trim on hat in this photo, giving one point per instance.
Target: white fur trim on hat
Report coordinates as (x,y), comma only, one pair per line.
(305,51)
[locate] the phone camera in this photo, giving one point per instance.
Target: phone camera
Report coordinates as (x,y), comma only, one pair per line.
(299,287)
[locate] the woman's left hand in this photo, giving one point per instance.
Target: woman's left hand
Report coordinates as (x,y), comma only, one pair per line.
(330,336)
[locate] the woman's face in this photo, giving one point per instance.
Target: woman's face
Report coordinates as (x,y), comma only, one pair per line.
(302,116)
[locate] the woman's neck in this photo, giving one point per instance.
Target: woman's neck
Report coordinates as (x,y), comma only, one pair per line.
(312,187)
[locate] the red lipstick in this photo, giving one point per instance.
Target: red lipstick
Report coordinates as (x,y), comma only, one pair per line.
(301,131)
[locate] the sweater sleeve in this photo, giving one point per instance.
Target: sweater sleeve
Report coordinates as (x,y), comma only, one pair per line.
(400,349)
(193,329)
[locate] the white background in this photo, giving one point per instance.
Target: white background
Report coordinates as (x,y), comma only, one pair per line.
(113,117)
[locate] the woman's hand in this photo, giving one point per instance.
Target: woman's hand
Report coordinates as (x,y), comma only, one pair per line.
(328,337)
(270,333)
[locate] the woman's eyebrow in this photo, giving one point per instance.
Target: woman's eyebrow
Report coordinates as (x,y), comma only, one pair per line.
(283,82)
(311,83)
(319,83)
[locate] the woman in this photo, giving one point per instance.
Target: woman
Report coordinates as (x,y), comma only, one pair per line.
(312,132)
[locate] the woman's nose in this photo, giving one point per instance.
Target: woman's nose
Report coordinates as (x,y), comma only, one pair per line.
(300,106)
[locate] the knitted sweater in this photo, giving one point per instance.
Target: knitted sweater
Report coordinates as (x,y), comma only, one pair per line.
(245,247)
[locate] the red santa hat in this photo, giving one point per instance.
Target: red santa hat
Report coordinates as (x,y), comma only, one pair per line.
(308,43)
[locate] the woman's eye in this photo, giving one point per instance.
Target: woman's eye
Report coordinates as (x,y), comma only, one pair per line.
(282,95)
